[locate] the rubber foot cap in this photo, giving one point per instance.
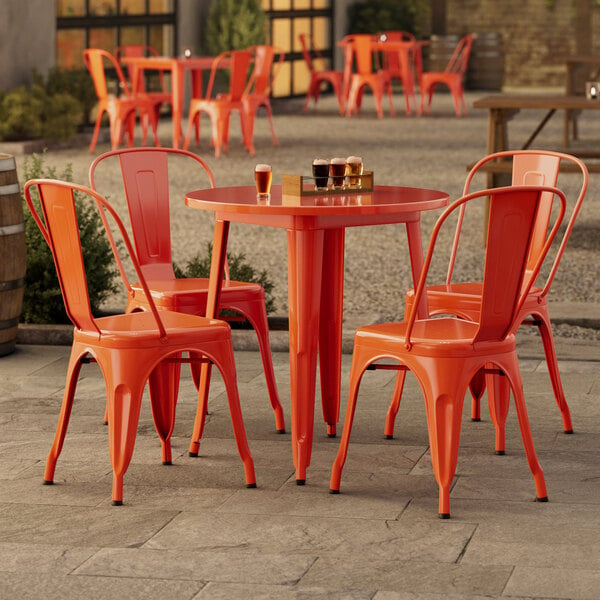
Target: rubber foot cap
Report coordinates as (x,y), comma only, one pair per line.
(500,452)
(388,437)
(117,503)
(334,491)
(444,515)
(300,481)
(193,454)
(280,431)
(167,462)
(544,499)
(476,419)
(251,485)
(332,435)
(48,482)
(568,431)
(106,422)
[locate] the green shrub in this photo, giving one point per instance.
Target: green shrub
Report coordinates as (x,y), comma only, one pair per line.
(234,25)
(42,302)
(239,270)
(76,82)
(373,16)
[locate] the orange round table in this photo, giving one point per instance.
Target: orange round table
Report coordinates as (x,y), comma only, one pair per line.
(315,238)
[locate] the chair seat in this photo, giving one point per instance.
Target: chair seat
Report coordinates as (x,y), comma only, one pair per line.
(457,335)
(139,329)
(177,294)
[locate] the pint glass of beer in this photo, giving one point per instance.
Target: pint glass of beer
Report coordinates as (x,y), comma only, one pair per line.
(320,171)
(337,170)
(262,177)
(354,168)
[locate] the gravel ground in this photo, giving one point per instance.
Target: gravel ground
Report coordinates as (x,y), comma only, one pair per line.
(431,151)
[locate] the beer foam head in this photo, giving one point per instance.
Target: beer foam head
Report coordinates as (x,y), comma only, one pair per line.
(320,161)
(262,167)
(338,161)
(354,159)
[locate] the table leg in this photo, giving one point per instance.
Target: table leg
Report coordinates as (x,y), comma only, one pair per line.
(217,267)
(415,249)
(177,94)
(330,326)
(305,252)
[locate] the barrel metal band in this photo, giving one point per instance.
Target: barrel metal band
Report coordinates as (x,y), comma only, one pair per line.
(8,323)
(7,164)
(12,284)
(11,188)
(12,229)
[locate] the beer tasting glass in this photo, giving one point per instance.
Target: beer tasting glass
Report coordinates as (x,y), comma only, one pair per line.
(337,170)
(263,176)
(320,171)
(354,168)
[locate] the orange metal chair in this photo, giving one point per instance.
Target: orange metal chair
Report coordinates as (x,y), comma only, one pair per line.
(358,49)
(529,167)
(219,108)
(120,109)
(401,64)
(319,77)
(452,77)
(445,353)
(157,98)
(130,349)
(146,184)
(268,61)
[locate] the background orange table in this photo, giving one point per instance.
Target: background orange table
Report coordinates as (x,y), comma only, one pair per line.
(315,237)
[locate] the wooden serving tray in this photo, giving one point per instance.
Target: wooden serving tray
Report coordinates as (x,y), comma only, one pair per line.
(295,185)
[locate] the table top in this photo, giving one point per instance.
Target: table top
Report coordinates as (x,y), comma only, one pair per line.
(385,204)
(168,62)
(547,101)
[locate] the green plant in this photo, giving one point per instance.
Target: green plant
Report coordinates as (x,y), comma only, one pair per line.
(28,112)
(42,302)
(235,24)
(239,270)
(373,16)
(76,82)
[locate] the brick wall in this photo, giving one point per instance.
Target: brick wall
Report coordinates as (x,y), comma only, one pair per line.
(536,38)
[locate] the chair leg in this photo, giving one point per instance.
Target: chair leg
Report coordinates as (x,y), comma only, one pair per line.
(550,353)
(498,390)
(360,360)
(96,130)
(63,420)
(164,387)
(477,388)
(271,124)
(390,418)
(202,384)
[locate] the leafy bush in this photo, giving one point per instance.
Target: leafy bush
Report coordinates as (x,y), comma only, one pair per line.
(76,82)
(234,25)
(373,16)
(239,270)
(28,112)
(42,302)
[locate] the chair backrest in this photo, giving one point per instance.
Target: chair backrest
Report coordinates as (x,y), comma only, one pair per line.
(392,61)
(363,54)
(137,51)
(145,176)
(95,60)
(532,167)
(307,48)
(460,57)
(266,68)
(239,65)
(512,219)
(59,226)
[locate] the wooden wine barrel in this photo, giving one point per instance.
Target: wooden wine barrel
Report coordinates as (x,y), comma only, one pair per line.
(486,63)
(439,51)
(13,254)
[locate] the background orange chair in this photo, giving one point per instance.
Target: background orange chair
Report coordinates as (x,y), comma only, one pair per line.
(445,353)
(219,107)
(452,77)
(318,77)
(267,64)
(358,50)
(130,349)
(145,177)
(529,167)
(157,98)
(121,109)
